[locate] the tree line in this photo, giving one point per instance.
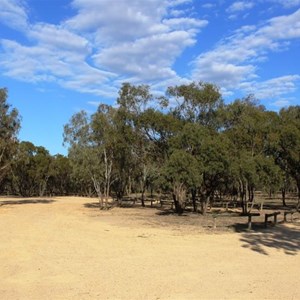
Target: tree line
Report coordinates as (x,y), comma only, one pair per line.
(188,142)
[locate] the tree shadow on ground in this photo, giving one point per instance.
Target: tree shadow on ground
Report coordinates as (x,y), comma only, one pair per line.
(96,205)
(92,205)
(26,201)
(275,206)
(281,237)
(170,212)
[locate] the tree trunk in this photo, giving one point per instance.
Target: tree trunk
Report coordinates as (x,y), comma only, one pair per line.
(243,196)
(283,191)
(194,193)
(177,204)
(251,194)
(143,184)
(298,187)
(178,196)
(43,186)
(204,203)
(143,198)
(97,187)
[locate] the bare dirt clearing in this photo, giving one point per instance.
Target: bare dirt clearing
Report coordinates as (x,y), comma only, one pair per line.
(64,248)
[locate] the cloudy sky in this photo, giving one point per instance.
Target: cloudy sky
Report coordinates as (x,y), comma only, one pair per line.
(60,56)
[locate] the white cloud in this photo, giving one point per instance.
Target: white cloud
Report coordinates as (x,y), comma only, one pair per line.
(13,14)
(208,5)
(281,103)
(282,28)
(287,3)
(177,2)
(106,42)
(272,88)
(148,58)
(239,6)
(41,64)
(57,37)
(94,103)
(233,63)
(146,42)
(122,20)
(184,23)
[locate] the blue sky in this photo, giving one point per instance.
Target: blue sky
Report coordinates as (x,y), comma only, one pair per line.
(60,56)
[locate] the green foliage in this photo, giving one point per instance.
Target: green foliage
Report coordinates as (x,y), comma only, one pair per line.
(9,127)
(182,168)
(287,147)
(60,175)
(199,145)
(30,169)
(197,102)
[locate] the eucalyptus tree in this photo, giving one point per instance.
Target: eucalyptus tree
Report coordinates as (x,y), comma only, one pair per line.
(60,174)
(158,129)
(287,147)
(181,172)
(9,127)
(90,140)
(199,106)
(104,136)
(242,118)
(198,103)
(209,150)
(23,169)
(145,130)
(42,161)
(250,128)
(271,177)
(132,102)
(30,169)
(83,154)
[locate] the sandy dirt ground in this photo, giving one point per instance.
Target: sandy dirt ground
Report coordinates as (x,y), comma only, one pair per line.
(64,248)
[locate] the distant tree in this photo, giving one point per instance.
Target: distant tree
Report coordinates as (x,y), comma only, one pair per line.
(42,164)
(60,174)
(181,172)
(104,137)
(9,127)
(210,149)
(131,146)
(133,101)
(199,106)
(90,151)
(287,146)
(30,169)
(248,127)
(77,134)
(157,130)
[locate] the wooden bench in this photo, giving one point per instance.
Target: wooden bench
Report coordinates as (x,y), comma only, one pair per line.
(166,202)
(290,212)
(258,205)
(127,201)
(150,200)
(231,203)
(250,215)
(274,214)
(190,203)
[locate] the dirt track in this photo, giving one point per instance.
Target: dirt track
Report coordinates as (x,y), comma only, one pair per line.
(61,249)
